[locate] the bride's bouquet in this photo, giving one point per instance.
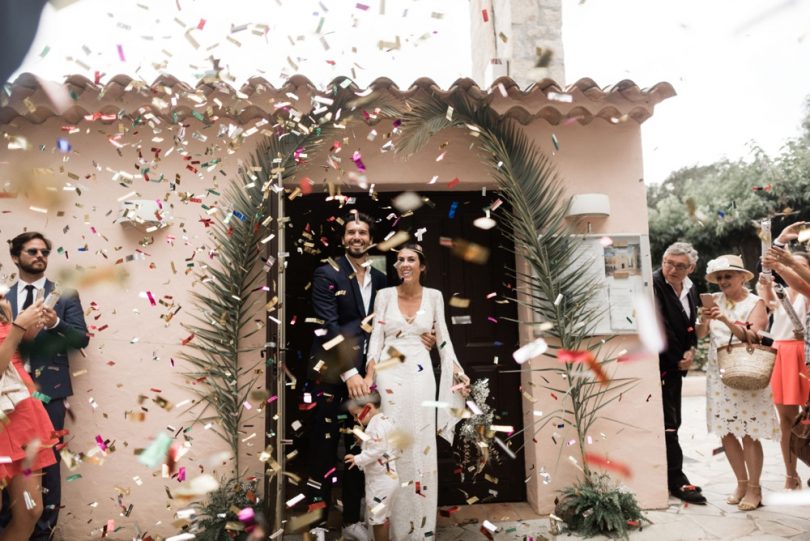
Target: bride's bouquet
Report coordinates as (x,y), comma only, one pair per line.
(475,434)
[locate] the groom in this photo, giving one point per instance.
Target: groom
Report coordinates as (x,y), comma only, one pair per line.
(343,294)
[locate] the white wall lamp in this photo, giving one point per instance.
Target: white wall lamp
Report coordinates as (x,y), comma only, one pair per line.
(589,206)
(147,215)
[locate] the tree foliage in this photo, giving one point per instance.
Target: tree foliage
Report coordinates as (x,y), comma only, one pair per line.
(715,207)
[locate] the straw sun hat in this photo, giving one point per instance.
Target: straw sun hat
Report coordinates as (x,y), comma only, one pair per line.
(726,263)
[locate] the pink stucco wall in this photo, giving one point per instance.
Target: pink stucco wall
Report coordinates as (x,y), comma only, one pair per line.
(133,353)
(598,157)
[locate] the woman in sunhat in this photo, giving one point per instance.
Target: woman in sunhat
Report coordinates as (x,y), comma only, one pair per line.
(740,418)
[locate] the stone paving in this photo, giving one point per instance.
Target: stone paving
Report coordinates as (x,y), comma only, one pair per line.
(717,520)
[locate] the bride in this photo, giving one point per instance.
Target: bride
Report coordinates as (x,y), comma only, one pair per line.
(401,368)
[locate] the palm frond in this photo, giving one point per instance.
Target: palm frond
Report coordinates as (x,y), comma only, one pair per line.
(555,290)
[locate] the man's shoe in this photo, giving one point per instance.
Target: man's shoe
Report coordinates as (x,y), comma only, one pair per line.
(689,494)
(356,532)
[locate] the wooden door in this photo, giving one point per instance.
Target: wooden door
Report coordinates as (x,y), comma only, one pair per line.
(484,345)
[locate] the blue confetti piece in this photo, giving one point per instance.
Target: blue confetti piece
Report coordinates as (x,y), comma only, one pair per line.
(721,213)
(420,367)
(63,145)
(453,207)
(240,215)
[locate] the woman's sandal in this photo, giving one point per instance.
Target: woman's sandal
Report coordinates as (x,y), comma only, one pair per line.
(739,494)
(749,506)
(793,482)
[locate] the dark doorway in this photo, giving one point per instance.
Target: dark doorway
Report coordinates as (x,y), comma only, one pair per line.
(313,235)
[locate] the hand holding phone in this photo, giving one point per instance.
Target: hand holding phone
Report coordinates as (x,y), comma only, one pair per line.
(51,299)
(707,300)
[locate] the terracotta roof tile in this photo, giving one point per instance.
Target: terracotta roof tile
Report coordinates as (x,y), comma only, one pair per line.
(174,100)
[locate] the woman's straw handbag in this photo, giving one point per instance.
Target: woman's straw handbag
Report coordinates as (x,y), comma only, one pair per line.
(800,436)
(746,366)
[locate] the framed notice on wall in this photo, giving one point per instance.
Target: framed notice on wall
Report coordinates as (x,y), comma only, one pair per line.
(621,263)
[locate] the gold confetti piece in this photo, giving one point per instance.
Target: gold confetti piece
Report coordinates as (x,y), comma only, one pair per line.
(366,323)
(360,434)
(333,342)
(470,251)
(459,302)
(400,237)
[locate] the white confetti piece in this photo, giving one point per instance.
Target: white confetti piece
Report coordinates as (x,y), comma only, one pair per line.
(530,351)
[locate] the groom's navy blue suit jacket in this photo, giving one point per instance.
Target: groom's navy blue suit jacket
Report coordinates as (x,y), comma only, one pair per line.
(47,353)
(337,301)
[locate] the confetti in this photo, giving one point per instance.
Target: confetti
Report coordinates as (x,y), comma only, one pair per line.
(530,351)
(587,357)
(600,461)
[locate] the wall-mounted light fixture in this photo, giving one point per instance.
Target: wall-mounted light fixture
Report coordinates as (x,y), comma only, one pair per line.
(145,214)
(589,205)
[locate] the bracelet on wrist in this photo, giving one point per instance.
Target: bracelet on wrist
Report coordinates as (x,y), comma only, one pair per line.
(15,324)
(778,243)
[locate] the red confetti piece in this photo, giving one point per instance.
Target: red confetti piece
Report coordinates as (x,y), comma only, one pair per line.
(201,24)
(187,340)
(453,183)
(317,505)
(485,15)
(607,464)
(568,356)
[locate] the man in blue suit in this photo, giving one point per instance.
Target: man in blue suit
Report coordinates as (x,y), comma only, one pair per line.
(46,356)
(343,293)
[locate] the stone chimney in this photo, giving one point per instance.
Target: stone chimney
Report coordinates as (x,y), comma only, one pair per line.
(518,38)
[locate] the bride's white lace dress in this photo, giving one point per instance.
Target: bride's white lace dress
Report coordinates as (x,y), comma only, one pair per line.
(408,391)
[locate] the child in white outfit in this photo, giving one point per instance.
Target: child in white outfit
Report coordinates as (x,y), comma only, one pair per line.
(377,461)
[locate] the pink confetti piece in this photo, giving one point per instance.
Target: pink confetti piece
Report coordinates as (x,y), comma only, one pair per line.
(151,298)
(181,473)
(121,53)
(358,161)
(330,472)
(100,443)
(201,24)
(360,6)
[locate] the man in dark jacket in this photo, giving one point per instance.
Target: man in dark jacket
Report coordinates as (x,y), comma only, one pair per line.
(46,356)
(676,300)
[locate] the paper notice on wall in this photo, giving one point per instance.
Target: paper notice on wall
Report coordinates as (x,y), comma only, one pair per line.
(622,316)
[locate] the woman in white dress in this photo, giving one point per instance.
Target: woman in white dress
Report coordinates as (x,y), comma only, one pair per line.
(740,418)
(400,366)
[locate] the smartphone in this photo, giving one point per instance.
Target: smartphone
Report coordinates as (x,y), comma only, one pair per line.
(51,299)
(707,300)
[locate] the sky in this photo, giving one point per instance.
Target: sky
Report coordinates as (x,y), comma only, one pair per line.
(739,66)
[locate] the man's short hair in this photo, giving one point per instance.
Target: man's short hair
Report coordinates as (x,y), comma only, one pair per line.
(16,244)
(360,217)
(683,248)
